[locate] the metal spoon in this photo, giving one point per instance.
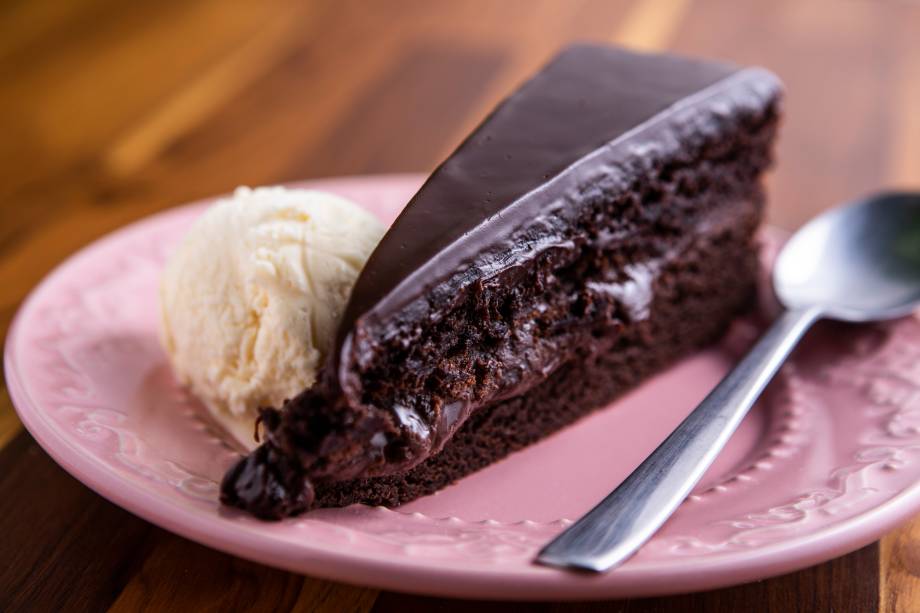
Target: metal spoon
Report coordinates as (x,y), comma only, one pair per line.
(856,263)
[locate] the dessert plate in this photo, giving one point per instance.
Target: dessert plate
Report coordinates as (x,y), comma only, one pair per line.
(827,462)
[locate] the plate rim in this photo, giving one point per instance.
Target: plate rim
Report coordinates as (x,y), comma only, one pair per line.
(403,574)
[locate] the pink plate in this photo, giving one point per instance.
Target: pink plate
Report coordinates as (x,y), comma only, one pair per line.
(826,463)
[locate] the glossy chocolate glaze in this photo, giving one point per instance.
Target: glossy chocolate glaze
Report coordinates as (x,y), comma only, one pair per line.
(595,116)
(586,98)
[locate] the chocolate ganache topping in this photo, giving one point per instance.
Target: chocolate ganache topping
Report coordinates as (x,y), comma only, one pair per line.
(448,315)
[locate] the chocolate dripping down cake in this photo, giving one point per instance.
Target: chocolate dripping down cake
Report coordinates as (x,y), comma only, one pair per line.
(598,225)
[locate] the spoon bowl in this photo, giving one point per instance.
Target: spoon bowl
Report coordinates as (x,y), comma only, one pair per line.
(860,262)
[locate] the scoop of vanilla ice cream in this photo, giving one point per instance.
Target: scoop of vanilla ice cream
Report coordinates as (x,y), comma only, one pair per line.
(251,300)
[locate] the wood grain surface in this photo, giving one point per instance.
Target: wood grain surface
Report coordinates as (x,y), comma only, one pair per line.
(112,110)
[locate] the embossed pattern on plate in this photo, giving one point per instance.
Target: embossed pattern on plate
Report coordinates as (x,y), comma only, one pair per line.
(828,461)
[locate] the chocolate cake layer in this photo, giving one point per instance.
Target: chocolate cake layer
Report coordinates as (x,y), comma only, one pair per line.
(579,259)
(715,278)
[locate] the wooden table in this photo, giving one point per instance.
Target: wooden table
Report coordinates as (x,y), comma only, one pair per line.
(112,110)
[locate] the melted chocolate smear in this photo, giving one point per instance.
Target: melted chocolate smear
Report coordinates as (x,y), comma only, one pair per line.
(267,484)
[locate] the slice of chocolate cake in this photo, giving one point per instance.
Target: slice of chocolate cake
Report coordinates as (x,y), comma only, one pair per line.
(598,225)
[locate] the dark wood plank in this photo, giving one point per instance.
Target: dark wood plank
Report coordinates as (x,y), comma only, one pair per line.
(66,548)
(63,546)
(899,557)
(179,575)
(9,422)
(61,112)
(839,66)
(402,118)
(93,97)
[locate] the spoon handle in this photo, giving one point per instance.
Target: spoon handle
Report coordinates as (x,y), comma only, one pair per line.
(613,530)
